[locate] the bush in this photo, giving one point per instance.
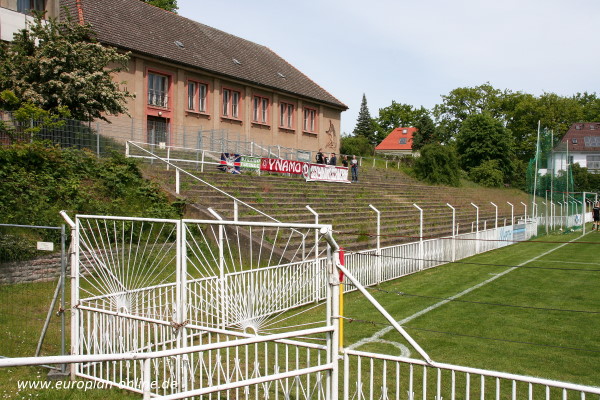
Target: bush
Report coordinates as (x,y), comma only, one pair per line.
(488,174)
(37,180)
(356,145)
(438,165)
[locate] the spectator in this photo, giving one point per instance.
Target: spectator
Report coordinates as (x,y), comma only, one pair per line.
(354,168)
(319,158)
(332,159)
(345,161)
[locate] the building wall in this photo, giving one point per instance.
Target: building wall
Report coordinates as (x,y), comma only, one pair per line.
(327,119)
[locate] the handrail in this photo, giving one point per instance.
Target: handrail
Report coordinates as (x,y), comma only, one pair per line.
(211,186)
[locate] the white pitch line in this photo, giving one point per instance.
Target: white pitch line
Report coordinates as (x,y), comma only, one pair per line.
(378,335)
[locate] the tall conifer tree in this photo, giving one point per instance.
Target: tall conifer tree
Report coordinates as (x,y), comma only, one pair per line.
(364,123)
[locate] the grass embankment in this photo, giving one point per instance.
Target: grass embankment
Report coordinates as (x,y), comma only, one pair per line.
(38,180)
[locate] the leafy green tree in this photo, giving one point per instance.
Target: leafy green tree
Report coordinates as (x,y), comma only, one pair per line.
(55,65)
(26,112)
(488,174)
(169,5)
(364,123)
(426,132)
(460,103)
(356,145)
(397,115)
(438,165)
(483,138)
(590,104)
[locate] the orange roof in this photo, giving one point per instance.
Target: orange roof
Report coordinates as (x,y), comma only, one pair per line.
(398,139)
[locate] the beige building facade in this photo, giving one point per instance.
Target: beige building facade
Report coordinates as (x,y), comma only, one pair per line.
(188,77)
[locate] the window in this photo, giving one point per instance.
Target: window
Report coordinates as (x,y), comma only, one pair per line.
(197,94)
(231,103)
(591,141)
(404,131)
(158,90)
(26,6)
(574,140)
(593,162)
(286,115)
(260,110)
(191,96)
(403,140)
(310,120)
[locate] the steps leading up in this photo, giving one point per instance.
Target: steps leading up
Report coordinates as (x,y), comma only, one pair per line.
(346,206)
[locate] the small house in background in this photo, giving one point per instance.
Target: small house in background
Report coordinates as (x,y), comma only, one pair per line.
(398,142)
(580,145)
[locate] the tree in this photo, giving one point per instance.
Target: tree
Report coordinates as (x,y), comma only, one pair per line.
(55,65)
(364,123)
(169,5)
(463,102)
(483,138)
(438,165)
(356,145)
(426,132)
(395,116)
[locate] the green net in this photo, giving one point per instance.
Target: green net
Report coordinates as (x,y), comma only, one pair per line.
(550,182)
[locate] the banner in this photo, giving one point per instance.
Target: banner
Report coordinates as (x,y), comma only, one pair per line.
(327,173)
(250,163)
(311,172)
(230,163)
(284,166)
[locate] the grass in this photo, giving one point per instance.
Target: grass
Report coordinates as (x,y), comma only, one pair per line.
(520,328)
(538,341)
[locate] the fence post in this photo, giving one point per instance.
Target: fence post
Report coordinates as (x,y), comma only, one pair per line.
(378,259)
(477,231)
(496,223)
(98,139)
(453,234)
(525,215)
(222,298)
(146,379)
(421,252)
(177,180)
(316,265)
(512,213)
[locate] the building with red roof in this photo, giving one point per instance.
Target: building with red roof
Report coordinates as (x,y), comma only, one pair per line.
(398,142)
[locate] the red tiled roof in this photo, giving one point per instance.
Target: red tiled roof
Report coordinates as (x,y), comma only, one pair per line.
(392,141)
(581,137)
(144,29)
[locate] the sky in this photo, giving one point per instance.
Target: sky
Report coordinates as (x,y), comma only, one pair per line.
(414,52)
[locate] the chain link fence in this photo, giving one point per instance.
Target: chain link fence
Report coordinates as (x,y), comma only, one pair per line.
(33,266)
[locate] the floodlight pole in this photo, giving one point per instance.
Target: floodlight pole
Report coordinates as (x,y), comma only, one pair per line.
(453,230)
(477,229)
(496,224)
(421,252)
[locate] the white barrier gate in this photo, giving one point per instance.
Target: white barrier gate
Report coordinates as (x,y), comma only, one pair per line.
(175,309)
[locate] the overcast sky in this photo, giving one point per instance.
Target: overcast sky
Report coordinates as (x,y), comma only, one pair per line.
(415,51)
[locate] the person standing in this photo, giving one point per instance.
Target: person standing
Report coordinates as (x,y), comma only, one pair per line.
(319,158)
(345,161)
(354,168)
(596,216)
(332,159)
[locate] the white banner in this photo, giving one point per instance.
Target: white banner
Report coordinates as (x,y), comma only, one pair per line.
(327,173)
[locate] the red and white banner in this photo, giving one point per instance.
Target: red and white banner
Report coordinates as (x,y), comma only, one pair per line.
(283,166)
(311,172)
